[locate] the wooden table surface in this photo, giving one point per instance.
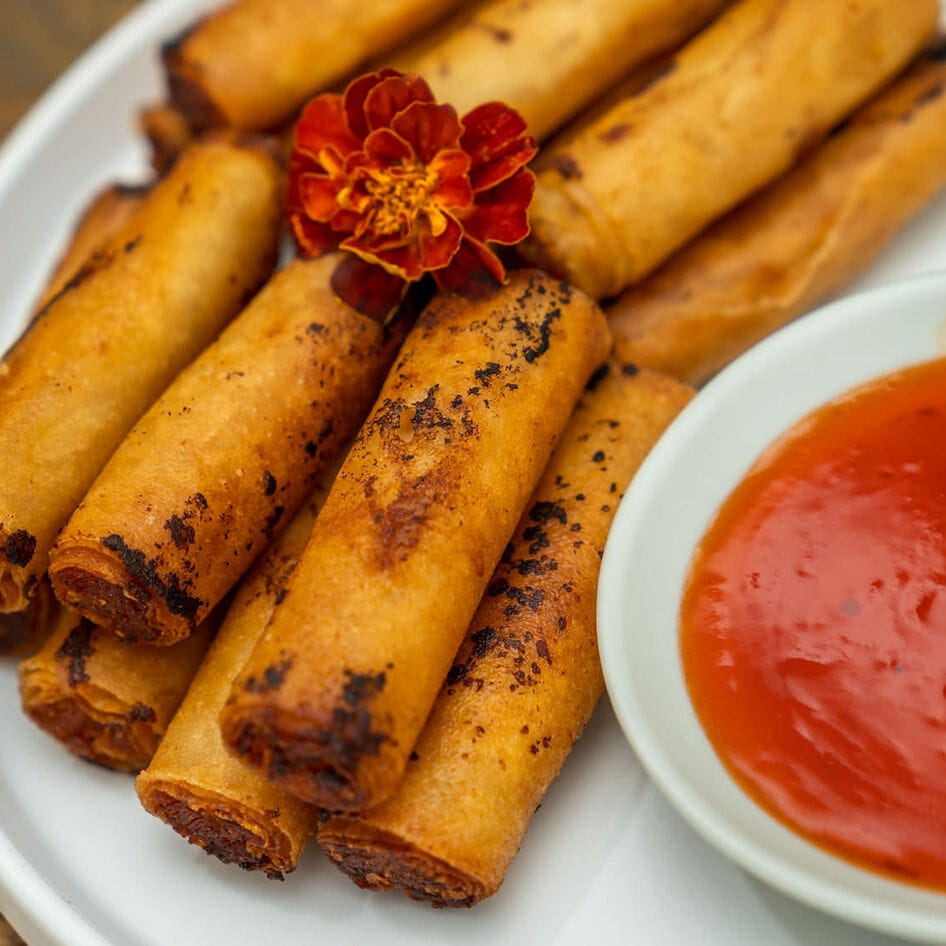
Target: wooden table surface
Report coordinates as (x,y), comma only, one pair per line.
(38,41)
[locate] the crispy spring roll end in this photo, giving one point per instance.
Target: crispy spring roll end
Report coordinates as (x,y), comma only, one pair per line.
(17,581)
(185,89)
(252,845)
(22,632)
(371,858)
(104,700)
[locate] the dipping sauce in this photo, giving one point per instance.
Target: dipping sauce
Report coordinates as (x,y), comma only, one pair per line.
(813,627)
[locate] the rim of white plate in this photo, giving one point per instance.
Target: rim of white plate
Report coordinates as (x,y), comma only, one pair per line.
(37,910)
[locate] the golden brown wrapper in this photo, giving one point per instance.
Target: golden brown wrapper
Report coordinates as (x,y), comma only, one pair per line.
(527,676)
(195,490)
(193,783)
(107,212)
(747,96)
(408,538)
(105,700)
(548,58)
(791,246)
(109,343)
(250,64)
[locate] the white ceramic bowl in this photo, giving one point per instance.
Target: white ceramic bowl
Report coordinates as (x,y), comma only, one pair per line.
(702,456)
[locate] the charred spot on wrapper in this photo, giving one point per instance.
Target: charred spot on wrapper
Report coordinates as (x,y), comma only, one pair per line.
(500,34)
(537,538)
(567,167)
(536,567)
(362,686)
(172,590)
(490,370)
(532,354)
(545,510)
(19,548)
(273,677)
(426,413)
(598,376)
(141,713)
(481,641)
(475,649)
(182,534)
(402,522)
(76,649)
(456,673)
(616,133)
(269,483)
(272,520)
(629,370)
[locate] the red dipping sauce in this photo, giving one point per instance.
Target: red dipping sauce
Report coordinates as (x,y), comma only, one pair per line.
(813,627)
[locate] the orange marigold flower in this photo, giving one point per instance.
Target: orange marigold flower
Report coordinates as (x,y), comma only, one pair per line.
(404,184)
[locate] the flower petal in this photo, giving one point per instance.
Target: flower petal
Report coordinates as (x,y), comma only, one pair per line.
(311,238)
(430,128)
(345,221)
(392,95)
(503,166)
(501,214)
(474,270)
(437,251)
(354,99)
(488,128)
(493,137)
(368,288)
(318,196)
(413,258)
(322,125)
(383,147)
(453,189)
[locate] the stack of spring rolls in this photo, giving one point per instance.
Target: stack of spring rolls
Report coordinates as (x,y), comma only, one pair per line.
(391,644)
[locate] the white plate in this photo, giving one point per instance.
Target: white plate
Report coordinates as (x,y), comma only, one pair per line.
(695,466)
(605,861)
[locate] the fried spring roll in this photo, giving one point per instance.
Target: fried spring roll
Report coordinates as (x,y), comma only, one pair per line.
(234,444)
(98,223)
(193,783)
(408,537)
(105,700)
(526,678)
(252,63)
(794,244)
(168,134)
(548,58)
(110,342)
(743,100)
